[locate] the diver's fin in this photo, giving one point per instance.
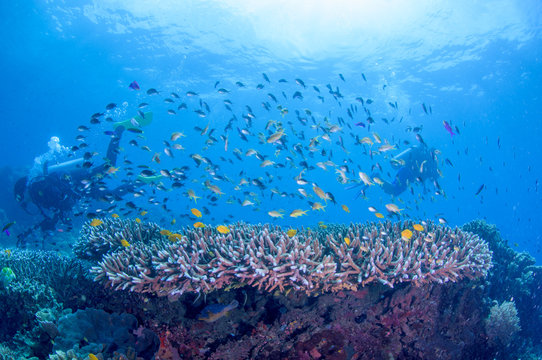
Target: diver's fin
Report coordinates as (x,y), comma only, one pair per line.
(133,122)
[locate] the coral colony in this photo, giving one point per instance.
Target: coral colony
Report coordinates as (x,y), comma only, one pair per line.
(267,258)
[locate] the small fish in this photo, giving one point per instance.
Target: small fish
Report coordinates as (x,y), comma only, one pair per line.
(138,220)
(291,232)
(96,222)
(222,229)
(152,91)
(192,195)
(347,241)
(479,189)
(275,214)
(91,356)
(372,209)
(442,220)
(406,234)
(298,213)
(379,215)
(165,232)
(448,128)
(393,208)
(143,213)
(417,227)
(115,216)
(365,178)
(345,208)
(212,313)
(7,252)
(124,243)
(6,227)
(196,212)
(199,225)
(134,86)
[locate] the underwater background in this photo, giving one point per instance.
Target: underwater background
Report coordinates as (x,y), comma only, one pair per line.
(286,113)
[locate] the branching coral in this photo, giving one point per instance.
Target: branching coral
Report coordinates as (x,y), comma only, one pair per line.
(265,257)
(95,241)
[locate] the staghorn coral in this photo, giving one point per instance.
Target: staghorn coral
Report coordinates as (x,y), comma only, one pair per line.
(265,257)
(95,241)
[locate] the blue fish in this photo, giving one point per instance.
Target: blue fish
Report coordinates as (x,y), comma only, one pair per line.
(134,85)
(213,312)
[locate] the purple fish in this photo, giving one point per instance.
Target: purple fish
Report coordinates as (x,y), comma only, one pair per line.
(7,232)
(134,85)
(448,128)
(360,124)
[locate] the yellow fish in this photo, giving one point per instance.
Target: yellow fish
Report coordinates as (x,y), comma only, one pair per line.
(379,215)
(196,212)
(318,206)
(96,222)
(165,232)
(386,147)
(275,214)
(192,195)
(406,234)
(115,216)
(143,213)
(198,225)
(393,208)
(7,252)
(222,229)
(112,170)
(175,237)
(124,243)
(291,232)
(417,227)
(91,356)
(298,213)
(366,140)
(275,137)
(321,194)
(378,181)
(173,221)
(365,178)
(177,135)
(345,208)
(347,241)
(138,220)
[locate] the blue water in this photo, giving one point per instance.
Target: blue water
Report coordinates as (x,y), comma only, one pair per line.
(478,67)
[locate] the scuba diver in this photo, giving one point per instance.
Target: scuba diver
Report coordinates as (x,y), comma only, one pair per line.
(55,187)
(417,163)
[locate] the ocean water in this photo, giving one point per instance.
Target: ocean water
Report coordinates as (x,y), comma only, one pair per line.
(320,75)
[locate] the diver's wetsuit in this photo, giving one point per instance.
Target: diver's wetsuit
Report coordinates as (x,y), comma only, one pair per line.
(419,164)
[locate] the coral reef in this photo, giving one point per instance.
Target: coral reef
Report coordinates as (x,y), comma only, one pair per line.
(502,323)
(377,322)
(67,276)
(96,331)
(95,241)
(513,276)
(265,257)
(404,318)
